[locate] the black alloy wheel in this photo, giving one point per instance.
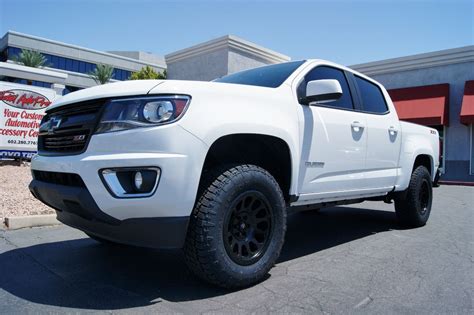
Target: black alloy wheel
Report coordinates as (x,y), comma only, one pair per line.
(413,206)
(249,228)
(237,227)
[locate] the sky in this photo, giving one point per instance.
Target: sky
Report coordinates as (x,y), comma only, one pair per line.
(343,31)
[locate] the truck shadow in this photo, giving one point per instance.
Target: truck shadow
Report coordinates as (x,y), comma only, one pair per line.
(310,231)
(86,275)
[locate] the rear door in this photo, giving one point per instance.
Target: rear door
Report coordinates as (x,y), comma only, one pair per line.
(383,136)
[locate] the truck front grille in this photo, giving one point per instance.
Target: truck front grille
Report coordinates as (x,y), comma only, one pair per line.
(67,130)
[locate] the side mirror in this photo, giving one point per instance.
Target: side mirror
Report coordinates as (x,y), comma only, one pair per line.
(322,91)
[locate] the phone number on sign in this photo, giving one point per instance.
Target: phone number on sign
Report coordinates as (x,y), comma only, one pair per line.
(33,142)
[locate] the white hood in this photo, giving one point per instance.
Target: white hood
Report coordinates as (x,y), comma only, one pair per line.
(116,89)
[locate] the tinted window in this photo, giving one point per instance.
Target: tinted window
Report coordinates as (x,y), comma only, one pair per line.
(323,72)
(268,76)
(13,52)
(62,63)
(82,67)
(55,61)
(75,66)
(58,62)
(49,60)
(372,97)
(68,64)
(88,67)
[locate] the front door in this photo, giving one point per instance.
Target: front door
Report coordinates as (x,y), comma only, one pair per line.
(334,142)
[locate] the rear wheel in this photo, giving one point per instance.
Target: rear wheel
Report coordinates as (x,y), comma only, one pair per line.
(413,206)
(237,228)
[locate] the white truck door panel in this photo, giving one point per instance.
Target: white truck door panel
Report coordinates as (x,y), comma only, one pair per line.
(383,136)
(334,150)
(334,140)
(383,148)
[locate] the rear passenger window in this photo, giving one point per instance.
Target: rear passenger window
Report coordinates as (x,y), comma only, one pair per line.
(324,72)
(373,100)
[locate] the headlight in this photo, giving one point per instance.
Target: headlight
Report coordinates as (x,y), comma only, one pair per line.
(129,113)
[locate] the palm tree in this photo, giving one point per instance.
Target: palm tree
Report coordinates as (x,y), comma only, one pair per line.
(102,73)
(30,58)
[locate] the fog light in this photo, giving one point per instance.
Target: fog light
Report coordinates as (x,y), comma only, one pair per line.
(138,180)
(131,182)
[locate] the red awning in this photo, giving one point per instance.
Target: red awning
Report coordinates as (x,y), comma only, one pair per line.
(467,110)
(426,105)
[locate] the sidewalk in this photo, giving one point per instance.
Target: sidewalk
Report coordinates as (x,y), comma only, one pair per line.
(15,198)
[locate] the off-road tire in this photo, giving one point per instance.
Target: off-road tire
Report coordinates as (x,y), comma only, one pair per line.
(206,251)
(413,206)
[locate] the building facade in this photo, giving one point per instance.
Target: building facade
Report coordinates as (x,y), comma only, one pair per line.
(219,57)
(74,61)
(434,89)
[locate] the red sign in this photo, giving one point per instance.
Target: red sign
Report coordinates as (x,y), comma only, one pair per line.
(24,99)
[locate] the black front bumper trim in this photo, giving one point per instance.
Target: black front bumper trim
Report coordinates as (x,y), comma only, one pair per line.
(76,207)
(162,233)
(72,199)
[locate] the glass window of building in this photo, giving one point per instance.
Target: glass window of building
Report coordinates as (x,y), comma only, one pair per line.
(63,63)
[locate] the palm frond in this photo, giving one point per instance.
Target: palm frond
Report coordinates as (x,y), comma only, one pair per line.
(31,58)
(102,74)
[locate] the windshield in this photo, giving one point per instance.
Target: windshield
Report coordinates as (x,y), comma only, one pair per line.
(268,76)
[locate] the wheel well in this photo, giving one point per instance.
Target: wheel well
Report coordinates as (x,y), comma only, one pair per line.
(423,160)
(269,152)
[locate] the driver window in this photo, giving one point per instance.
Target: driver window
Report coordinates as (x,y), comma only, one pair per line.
(325,72)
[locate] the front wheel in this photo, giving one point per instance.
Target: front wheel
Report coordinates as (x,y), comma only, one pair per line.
(237,228)
(413,206)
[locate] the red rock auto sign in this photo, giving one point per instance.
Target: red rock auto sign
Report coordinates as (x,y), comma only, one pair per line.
(21,109)
(24,99)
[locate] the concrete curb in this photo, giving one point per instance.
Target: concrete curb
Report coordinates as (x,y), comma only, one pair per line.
(14,223)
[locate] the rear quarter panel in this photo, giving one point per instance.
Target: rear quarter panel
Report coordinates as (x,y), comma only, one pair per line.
(416,140)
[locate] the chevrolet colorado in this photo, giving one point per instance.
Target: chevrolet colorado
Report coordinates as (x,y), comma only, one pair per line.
(214,167)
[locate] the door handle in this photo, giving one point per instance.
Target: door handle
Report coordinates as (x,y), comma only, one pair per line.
(357,125)
(392,130)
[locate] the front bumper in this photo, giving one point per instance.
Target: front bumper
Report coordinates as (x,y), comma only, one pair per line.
(75,207)
(159,220)
(177,153)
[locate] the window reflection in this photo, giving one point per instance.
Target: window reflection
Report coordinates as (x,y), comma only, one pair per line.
(68,64)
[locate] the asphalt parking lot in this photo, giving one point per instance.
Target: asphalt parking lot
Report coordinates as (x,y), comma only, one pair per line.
(352,259)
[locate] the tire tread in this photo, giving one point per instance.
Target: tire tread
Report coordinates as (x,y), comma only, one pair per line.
(406,205)
(198,248)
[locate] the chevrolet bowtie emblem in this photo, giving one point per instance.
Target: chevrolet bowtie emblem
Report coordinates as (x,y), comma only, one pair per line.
(53,124)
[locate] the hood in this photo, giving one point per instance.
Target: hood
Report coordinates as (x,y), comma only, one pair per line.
(116,89)
(196,88)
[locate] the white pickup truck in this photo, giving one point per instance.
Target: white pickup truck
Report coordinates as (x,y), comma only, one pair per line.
(214,167)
